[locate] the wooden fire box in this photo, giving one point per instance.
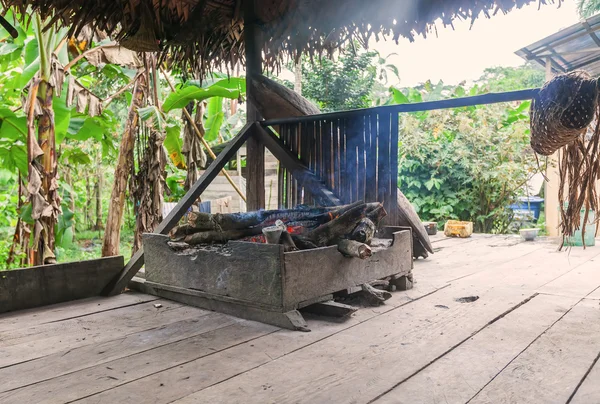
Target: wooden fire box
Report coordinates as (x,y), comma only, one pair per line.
(261,282)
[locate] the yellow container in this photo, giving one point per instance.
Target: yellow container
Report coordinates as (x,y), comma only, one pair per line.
(455,228)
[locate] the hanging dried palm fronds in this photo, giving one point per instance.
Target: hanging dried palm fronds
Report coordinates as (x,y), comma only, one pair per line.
(148,184)
(561,115)
(203,35)
(192,146)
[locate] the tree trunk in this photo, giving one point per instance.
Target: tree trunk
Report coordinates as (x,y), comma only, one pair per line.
(45,212)
(88,201)
(112,234)
(69,181)
(98,188)
(298,76)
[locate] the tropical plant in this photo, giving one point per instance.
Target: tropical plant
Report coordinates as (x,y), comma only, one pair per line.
(342,84)
(498,79)
(44,138)
(587,8)
(467,163)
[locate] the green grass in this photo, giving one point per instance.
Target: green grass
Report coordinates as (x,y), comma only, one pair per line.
(88,245)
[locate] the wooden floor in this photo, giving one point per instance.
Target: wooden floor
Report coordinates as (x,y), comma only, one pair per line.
(532,336)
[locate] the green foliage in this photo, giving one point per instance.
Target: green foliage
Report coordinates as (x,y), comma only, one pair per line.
(498,79)
(588,8)
(231,89)
(215,114)
(342,84)
(466,164)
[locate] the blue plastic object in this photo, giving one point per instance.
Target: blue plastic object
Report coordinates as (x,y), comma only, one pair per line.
(528,207)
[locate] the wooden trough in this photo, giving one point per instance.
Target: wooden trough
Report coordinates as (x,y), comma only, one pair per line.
(261,282)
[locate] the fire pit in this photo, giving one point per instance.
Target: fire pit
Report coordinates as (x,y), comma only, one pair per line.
(250,278)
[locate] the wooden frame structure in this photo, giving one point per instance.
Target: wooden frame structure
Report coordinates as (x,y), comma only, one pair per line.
(313,177)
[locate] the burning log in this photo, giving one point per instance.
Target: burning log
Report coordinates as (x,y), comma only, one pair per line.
(303,243)
(350,227)
(375,215)
(278,234)
(330,233)
(288,242)
(238,221)
(364,231)
(355,249)
(272,234)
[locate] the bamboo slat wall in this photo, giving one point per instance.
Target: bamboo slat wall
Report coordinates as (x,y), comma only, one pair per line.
(355,156)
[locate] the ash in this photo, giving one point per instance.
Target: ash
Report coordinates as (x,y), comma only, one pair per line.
(184,249)
(380,244)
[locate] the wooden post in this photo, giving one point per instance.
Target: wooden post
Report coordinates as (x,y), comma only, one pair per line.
(552,185)
(255,150)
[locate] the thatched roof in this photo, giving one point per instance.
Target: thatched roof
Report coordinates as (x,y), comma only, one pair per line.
(208,33)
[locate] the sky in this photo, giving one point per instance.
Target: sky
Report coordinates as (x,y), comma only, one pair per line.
(463,53)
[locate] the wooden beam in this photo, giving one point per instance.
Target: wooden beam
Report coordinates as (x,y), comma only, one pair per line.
(135,263)
(543,61)
(591,32)
(301,173)
(255,151)
(492,98)
(49,284)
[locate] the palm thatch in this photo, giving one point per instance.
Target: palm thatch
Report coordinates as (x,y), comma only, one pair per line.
(202,34)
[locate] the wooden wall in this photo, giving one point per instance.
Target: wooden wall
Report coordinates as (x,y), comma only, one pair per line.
(39,286)
(356,157)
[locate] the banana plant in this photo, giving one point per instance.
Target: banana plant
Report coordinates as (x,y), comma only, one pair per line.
(38,133)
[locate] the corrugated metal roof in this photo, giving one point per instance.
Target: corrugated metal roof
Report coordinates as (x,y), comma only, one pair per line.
(575,47)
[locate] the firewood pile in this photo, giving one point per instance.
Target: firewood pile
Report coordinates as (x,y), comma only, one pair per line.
(350,227)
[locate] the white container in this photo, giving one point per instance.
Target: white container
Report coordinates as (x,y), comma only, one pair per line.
(529,234)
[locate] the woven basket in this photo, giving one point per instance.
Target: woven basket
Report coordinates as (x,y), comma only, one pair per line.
(562,111)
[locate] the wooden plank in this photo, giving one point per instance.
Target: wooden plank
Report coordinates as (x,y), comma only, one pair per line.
(374,355)
(50,284)
(301,173)
(249,272)
(317,148)
(313,273)
(362,166)
(393,212)
(504,265)
(594,295)
(425,338)
(305,159)
(458,375)
(383,163)
(579,282)
(293,144)
(72,360)
(68,310)
(344,180)
(97,379)
(553,365)
(352,159)
(490,98)
(196,375)
(336,156)
(137,261)
(23,345)
(371,162)
(327,134)
(589,391)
